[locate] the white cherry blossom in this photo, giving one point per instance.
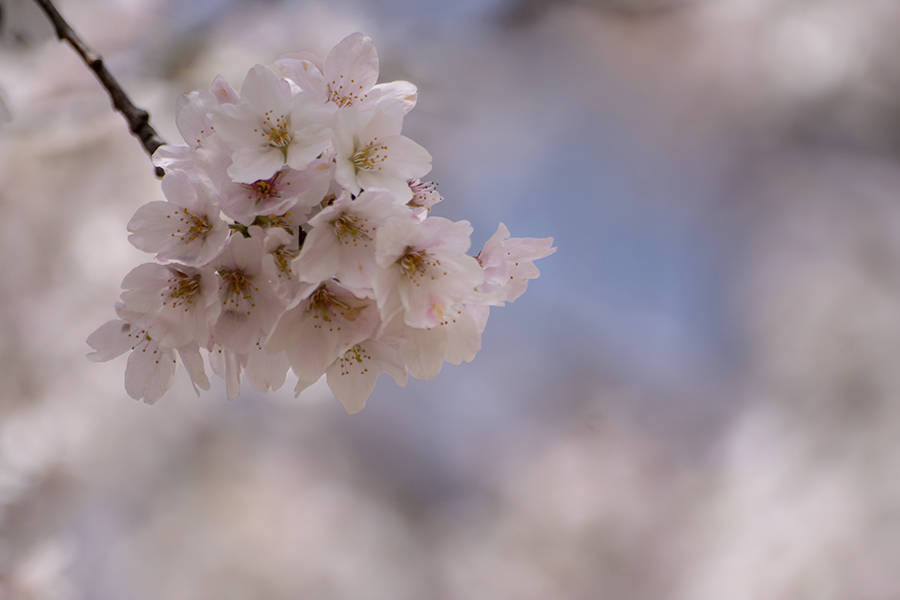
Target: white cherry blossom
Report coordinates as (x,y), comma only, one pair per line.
(509,263)
(352,376)
(424,269)
(371,154)
(175,303)
(341,242)
(322,323)
(150,369)
(187,228)
(347,76)
(270,128)
(250,305)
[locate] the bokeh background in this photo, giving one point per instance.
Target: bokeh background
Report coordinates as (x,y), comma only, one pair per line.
(699,399)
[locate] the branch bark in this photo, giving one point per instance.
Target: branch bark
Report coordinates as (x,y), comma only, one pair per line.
(138,118)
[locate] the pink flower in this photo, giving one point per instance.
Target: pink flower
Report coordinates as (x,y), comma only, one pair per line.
(270,128)
(424,269)
(187,228)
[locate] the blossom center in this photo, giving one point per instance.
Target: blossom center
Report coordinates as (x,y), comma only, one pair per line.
(369,158)
(238,290)
(184,289)
(324,303)
(355,354)
(348,225)
(283,258)
(278,131)
(265,189)
(415,263)
(197,226)
(344,97)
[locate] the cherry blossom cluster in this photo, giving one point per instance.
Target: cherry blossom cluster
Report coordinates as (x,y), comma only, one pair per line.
(295,235)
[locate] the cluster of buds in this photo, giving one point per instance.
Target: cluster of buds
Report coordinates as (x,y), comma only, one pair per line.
(296,235)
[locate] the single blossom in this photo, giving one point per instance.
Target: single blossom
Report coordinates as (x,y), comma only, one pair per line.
(187,228)
(424,196)
(424,269)
(371,154)
(264,371)
(508,265)
(322,323)
(352,376)
(175,303)
(270,128)
(347,76)
(250,306)
(150,369)
(341,241)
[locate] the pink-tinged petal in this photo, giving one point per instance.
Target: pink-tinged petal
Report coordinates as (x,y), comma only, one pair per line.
(452,236)
(380,125)
(321,327)
(174,158)
(255,163)
(401,93)
(309,142)
(423,351)
(239,125)
(463,336)
(480,314)
(227,365)
(176,304)
(394,238)
(264,91)
(303,384)
(110,340)
(193,120)
(384,284)
(351,69)
(224,93)
(305,74)
(193,364)
(352,376)
(319,259)
(266,371)
(345,175)
(149,372)
(351,384)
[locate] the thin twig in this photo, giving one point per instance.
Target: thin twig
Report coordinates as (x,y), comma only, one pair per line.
(138,118)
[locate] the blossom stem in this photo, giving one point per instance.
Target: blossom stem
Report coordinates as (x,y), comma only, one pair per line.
(138,119)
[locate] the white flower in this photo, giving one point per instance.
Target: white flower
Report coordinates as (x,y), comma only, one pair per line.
(508,265)
(187,228)
(322,323)
(371,154)
(150,369)
(456,338)
(341,243)
(175,303)
(287,190)
(250,305)
(270,128)
(264,371)
(352,376)
(192,117)
(347,77)
(424,196)
(424,269)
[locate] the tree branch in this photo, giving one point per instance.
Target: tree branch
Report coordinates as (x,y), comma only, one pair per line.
(138,118)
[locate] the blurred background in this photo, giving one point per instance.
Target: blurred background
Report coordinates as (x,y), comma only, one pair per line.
(697,400)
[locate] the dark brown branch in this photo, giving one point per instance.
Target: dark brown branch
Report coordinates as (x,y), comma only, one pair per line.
(138,118)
